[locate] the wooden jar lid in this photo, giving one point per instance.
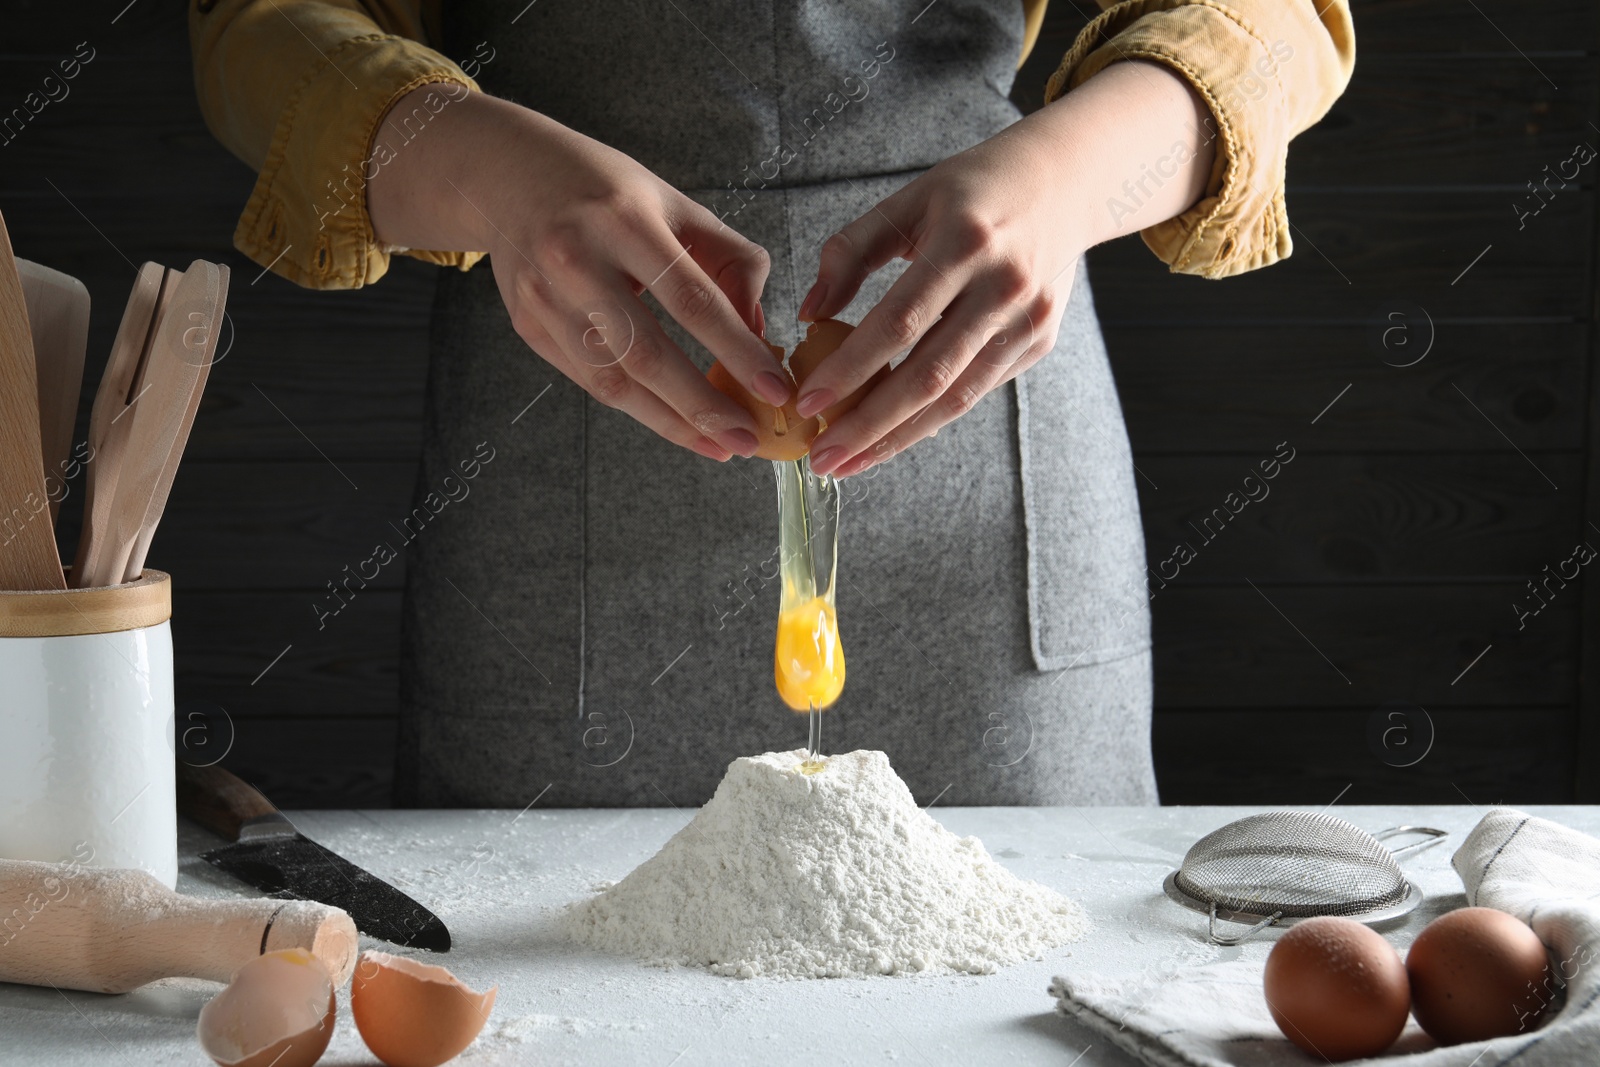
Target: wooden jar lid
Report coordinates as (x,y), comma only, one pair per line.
(70,612)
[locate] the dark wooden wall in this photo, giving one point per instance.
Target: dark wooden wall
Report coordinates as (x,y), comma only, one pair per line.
(123,171)
(1415,510)
(1348,603)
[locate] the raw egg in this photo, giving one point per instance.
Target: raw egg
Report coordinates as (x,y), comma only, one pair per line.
(780,431)
(1336,988)
(1477,973)
(278,1010)
(808,659)
(414,1014)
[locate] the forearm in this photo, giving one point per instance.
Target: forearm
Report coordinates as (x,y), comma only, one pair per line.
(1130,147)
(1267,69)
(452,169)
(423,152)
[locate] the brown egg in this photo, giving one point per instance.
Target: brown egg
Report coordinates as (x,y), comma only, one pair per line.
(278,1011)
(822,339)
(781,432)
(1477,973)
(414,1014)
(1336,988)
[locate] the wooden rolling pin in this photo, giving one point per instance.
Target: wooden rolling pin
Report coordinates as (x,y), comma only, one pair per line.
(109,931)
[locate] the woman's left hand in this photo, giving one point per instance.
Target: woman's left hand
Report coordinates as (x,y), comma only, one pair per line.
(993,236)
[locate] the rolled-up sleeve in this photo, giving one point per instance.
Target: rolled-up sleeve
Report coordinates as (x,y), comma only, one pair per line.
(296,89)
(1267,69)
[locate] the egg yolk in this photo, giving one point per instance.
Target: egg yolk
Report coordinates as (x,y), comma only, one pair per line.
(808,658)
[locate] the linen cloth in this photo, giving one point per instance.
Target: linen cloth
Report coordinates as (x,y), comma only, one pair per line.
(1216,1015)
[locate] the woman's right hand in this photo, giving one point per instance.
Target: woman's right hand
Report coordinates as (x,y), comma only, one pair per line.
(576,231)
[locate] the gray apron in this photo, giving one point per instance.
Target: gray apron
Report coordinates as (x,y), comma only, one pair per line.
(591,610)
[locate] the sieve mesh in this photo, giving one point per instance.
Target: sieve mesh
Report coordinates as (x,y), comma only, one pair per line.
(1296,863)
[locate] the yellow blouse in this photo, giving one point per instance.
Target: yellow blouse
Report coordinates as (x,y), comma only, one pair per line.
(296,88)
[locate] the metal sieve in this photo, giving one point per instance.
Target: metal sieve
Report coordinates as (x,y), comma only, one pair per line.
(1281,866)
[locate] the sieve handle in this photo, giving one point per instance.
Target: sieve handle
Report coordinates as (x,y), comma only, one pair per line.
(1431,837)
(1234,939)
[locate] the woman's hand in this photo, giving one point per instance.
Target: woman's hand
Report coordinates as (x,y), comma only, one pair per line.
(576,231)
(993,236)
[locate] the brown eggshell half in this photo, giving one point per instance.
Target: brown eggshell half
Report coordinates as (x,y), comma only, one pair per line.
(1478,973)
(1336,988)
(822,339)
(780,432)
(414,1014)
(245,1025)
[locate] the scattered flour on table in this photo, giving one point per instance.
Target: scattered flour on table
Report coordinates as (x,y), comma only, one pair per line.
(840,873)
(524,1028)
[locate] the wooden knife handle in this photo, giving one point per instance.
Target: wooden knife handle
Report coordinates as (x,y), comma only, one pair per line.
(219,800)
(109,931)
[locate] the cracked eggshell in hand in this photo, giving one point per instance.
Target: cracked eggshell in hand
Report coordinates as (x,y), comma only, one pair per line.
(278,1010)
(781,432)
(414,1014)
(822,340)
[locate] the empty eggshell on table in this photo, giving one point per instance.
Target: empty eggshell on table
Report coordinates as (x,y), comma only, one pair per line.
(414,1014)
(278,1011)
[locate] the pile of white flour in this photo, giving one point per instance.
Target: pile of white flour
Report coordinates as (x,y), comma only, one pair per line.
(838,873)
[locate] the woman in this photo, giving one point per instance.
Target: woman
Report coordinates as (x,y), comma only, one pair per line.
(655,183)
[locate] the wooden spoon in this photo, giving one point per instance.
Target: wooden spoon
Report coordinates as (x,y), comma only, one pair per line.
(28,557)
(160,409)
(58,314)
(204,323)
(109,423)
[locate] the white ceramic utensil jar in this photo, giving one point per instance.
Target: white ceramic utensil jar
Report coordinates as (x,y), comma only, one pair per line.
(86,722)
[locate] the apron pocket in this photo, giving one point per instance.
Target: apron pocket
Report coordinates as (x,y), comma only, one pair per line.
(1088,601)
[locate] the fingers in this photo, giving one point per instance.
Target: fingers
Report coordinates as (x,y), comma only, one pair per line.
(967,355)
(684,290)
(999,361)
(861,247)
(900,321)
(928,375)
(946,258)
(739,267)
(912,305)
(620,354)
(598,372)
(653,412)
(599,335)
(633,365)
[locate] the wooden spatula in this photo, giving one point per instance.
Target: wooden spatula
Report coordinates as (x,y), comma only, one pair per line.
(110,420)
(28,557)
(161,391)
(58,316)
(203,324)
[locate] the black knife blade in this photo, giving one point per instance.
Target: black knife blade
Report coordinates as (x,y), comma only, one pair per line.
(273,856)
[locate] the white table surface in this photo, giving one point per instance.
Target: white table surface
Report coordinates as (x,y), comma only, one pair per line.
(497,879)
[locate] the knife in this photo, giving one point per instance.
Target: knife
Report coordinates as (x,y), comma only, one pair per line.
(270,854)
